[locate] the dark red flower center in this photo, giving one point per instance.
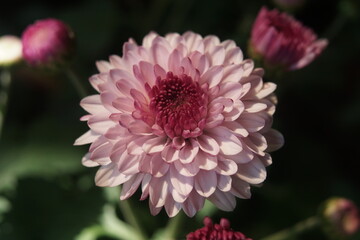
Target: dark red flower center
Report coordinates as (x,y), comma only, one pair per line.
(180,105)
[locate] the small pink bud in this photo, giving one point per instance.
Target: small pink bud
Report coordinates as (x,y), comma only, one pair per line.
(341,217)
(48,42)
(216,231)
(282,42)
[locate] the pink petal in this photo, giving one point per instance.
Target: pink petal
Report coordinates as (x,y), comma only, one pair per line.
(187,169)
(131,186)
(189,151)
(223,200)
(88,137)
(208,144)
(312,52)
(252,172)
(87,162)
(183,185)
(157,165)
(154,145)
(230,90)
(267,89)
(205,183)
(148,39)
(206,161)
(233,73)
(193,204)
(123,104)
(100,124)
(226,166)
(158,191)
(237,128)
(104,66)
(275,140)
(212,76)
(170,154)
(129,164)
(240,188)
(147,72)
(109,176)
(174,61)
(252,122)
(233,56)
(92,104)
(171,207)
(229,144)
(254,106)
(224,183)
(217,55)
(242,157)
(101,154)
(194,42)
(214,121)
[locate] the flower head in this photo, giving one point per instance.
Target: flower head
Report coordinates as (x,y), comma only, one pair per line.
(341,217)
(185,118)
(216,231)
(10,50)
(48,42)
(282,42)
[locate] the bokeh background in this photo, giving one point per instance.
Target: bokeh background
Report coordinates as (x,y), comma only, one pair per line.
(45,192)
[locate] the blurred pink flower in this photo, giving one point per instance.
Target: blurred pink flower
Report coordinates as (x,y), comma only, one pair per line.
(341,217)
(220,231)
(48,42)
(281,41)
(185,118)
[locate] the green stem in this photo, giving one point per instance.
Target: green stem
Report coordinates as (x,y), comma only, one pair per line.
(76,82)
(130,217)
(290,233)
(5,81)
(117,228)
(173,227)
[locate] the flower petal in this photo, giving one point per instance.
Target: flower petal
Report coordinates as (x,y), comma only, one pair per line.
(205,183)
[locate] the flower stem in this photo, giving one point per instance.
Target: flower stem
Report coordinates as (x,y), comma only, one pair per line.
(76,82)
(173,227)
(300,227)
(5,81)
(130,217)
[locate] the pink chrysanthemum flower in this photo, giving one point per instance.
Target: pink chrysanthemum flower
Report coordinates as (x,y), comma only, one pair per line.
(185,118)
(48,42)
(281,41)
(220,231)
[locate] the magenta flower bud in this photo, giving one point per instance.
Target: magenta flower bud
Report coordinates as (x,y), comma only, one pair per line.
(48,42)
(212,231)
(282,42)
(341,218)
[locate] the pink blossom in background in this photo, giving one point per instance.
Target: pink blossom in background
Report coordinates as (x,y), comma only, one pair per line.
(47,42)
(281,41)
(182,117)
(341,217)
(216,231)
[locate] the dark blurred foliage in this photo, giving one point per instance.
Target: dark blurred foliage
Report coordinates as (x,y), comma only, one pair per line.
(45,192)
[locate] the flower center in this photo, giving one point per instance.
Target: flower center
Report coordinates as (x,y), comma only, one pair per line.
(179,104)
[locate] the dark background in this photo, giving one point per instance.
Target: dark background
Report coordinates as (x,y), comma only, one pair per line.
(45,192)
